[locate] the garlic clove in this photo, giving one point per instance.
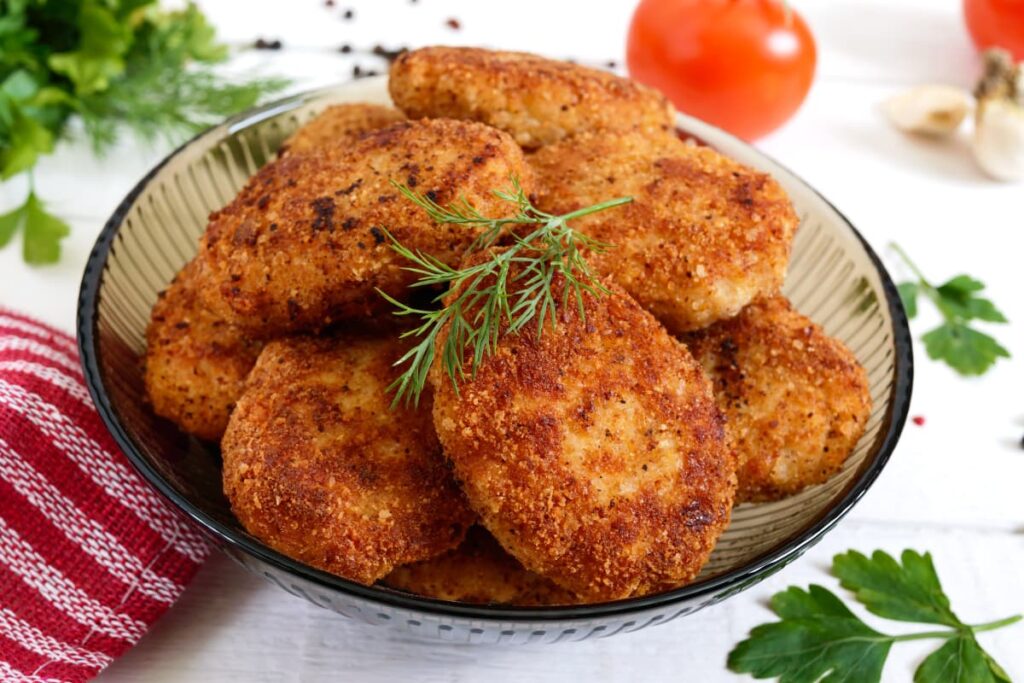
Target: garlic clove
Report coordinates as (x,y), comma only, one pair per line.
(999,139)
(933,110)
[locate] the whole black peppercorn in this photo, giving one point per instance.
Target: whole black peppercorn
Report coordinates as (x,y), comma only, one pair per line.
(264,44)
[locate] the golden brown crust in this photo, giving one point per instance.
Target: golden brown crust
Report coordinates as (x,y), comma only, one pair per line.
(303,244)
(538,101)
(795,400)
(703,237)
(195,364)
(595,454)
(319,467)
(478,571)
(340,124)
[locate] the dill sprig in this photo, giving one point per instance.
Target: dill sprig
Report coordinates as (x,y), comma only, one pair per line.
(502,293)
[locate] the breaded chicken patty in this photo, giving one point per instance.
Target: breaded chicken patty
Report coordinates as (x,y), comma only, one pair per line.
(317,466)
(340,123)
(703,237)
(478,571)
(795,400)
(195,364)
(537,100)
(304,244)
(594,453)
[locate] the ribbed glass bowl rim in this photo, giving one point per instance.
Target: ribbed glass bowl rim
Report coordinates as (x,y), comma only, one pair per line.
(87,322)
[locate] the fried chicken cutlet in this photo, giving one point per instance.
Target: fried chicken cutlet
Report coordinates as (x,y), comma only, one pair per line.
(317,465)
(340,123)
(703,236)
(538,101)
(305,242)
(594,453)
(795,400)
(478,571)
(195,363)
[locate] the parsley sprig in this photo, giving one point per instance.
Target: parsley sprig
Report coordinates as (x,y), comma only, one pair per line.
(111,63)
(42,231)
(955,342)
(502,293)
(819,639)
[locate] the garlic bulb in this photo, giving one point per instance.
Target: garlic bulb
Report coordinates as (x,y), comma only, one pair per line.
(933,110)
(999,123)
(999,139)
(1001,78)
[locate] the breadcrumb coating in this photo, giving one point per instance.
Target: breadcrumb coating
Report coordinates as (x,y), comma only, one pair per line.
(594,453)
(703,237)
(479,571)
(795,400)
(305,242)
(340,124)
(317,465)
(195,363)
(538,101)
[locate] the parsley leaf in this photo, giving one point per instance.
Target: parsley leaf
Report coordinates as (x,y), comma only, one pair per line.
(9,224)
(29,140)
(818,636)
(957,298)
(819,639)
(908,295)
(103,42)
(19,85)
(907,592)
(962,347)
(42,231)
(20,99)
(960,659)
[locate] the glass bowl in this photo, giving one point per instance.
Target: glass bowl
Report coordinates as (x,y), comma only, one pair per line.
(834,277)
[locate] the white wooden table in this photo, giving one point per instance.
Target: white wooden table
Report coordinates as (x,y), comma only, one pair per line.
(952,487)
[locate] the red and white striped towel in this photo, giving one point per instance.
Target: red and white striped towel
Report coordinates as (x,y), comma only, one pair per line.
(90,556)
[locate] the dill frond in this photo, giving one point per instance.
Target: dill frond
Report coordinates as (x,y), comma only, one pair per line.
(502,294)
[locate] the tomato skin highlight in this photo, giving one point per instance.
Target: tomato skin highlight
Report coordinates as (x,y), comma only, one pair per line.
(743,65)
(996,23)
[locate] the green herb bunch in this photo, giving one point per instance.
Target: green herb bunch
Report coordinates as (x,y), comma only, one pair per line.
(112,63)
(819,639)
(955,342)
(499,294)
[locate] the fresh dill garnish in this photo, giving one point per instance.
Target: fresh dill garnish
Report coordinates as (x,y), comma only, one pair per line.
(502,293)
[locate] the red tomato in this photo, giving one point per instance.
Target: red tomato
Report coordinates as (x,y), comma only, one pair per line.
(997,23)
(743,65)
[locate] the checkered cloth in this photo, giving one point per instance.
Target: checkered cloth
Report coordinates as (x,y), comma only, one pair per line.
(90,556)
